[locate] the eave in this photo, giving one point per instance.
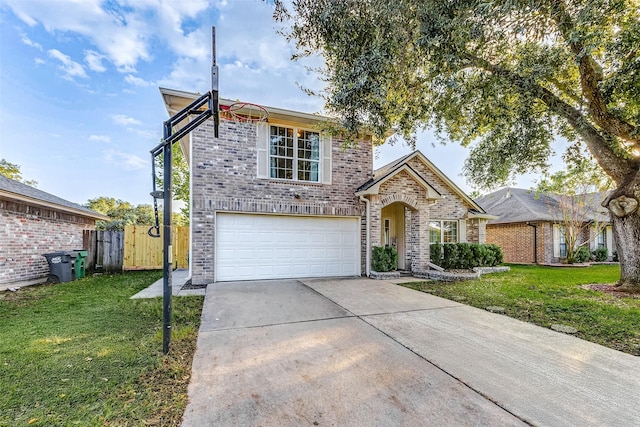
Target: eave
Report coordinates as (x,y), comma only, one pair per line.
(36,202)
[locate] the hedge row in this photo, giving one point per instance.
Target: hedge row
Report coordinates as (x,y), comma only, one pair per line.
(465,255)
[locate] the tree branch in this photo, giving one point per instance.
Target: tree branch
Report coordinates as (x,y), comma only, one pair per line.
(599,146)
(590,76)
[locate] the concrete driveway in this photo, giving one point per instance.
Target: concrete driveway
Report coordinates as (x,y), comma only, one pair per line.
(359,352)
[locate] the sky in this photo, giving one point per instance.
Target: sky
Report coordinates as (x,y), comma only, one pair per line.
(79,101)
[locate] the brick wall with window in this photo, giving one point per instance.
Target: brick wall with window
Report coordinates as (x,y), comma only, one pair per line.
(26,232)
(269,168)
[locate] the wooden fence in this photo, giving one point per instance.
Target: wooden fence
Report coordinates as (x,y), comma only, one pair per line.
(133,249)
(142,252)
(104,250)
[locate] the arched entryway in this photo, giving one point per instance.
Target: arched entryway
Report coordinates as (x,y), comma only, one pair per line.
(395,227)
(393,230)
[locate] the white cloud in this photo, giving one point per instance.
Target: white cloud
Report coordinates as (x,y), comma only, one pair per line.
(94,61)
(191,74)
(123,31)
(125,160)
(124,120)
(100,138)
(39,61)
(137,81)
(26,40)
(70,68)
(119,33)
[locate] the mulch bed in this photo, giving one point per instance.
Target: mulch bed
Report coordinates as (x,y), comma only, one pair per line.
(611,290)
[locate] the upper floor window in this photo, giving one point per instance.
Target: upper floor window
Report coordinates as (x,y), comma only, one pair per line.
(294,154)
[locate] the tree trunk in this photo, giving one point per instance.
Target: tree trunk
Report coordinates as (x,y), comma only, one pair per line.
(625,219)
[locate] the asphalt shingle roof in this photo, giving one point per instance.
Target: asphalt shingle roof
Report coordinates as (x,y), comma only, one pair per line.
(519,205)
(12,186)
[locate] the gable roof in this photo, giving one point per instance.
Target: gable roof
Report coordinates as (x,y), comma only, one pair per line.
(373,185)
(15,190)
(513,205)
(391,169)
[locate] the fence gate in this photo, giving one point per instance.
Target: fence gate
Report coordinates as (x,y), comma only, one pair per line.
(104,249)
(143,252)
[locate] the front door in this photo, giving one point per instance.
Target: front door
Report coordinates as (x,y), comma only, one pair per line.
(393,231)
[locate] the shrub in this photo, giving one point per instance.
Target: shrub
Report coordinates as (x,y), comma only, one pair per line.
(582,255)
(614,256)
(601,254)
(384,259)
(465,255)
(436,253)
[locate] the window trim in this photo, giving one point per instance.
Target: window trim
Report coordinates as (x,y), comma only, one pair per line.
(295,159)
(442,230)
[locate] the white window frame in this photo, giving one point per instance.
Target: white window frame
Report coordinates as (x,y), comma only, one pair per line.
(296,138)
(263,148)
(459,230)
(601,239)
(559,240)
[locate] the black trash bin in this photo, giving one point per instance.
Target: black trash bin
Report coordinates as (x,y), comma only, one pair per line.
(59,267)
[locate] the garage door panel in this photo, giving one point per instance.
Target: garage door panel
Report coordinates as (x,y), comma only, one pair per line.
(269,246)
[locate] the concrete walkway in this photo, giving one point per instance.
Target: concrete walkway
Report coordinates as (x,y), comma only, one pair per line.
(358,352)
(178,279)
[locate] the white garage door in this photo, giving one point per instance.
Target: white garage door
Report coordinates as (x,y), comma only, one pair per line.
(252,247)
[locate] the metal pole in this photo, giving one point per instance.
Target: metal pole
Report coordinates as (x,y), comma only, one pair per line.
(214,100)
(166,256)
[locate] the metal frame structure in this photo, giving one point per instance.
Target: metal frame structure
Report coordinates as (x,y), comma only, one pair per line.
(210,100)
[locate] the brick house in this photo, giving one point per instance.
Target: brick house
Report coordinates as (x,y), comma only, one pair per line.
(33,222)
(280,199)
(528,227)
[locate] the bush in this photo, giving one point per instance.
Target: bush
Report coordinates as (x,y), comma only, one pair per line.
(384,259)
(436,253)
(581,255)
(601,254)
(465,255)
(614,256)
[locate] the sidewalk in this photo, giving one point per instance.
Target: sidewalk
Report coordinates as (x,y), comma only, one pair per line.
(178,279)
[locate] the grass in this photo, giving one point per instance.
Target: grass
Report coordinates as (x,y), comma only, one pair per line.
(83,353)
(548,295)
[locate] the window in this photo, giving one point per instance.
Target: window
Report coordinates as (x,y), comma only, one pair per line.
(601,240)
(443,231)
(294,154)
(562,241)
(387,232)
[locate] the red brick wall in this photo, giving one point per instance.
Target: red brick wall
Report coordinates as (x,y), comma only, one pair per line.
(516,241)
(26,232)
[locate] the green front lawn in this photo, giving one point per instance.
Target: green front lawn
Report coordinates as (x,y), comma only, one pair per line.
(83,353)
(548,295)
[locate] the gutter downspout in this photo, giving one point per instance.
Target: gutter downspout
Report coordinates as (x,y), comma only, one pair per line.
(368,238)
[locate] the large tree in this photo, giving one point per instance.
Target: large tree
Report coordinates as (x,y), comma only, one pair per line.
(506,77)
(121,213)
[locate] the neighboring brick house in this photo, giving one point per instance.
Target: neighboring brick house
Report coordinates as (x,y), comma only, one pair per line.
(33,222)
(280,199)
(528,227)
